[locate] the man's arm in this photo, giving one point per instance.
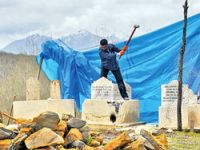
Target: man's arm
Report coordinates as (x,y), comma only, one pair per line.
(116,49)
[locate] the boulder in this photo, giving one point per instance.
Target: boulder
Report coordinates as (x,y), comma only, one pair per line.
(118,142)
(76,123)
(42,138)
(73,135)
(6,134)
(47,119)
(4,144)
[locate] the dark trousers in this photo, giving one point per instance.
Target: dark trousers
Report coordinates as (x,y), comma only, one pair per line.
(118,77)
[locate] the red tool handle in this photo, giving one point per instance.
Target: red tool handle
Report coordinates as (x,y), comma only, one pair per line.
(126,46)
(135,27)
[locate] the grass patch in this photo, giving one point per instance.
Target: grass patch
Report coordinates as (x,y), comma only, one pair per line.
(184,141)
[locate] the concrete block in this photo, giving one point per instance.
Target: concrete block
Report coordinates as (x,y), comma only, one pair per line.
(30,109)
(194,116)
(100,112)
(168,117)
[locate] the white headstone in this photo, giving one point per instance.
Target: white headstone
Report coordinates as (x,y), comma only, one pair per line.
(105,89)
(102,89)
(170,94)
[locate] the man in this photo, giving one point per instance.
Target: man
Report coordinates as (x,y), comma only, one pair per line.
(107,53)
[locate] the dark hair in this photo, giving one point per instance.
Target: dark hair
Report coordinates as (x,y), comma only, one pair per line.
(103,42)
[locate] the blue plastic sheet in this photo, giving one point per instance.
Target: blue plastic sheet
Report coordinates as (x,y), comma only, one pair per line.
(150,61)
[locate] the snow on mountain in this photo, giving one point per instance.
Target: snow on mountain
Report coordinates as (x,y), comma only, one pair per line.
(85,39)
(31,45)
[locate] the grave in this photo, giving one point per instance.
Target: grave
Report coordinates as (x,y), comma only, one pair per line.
(106,105)
(33,105)
(168,108)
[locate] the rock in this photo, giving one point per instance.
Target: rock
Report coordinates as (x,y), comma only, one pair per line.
(2,125)
(163,140)
(66,117)
(85,136)
(47,119)
(78,144)
(61,133)
(156,141)
(94,133)
(169,131)
(149,128)
(6,134)
(60,147)
(148,145)
(4,144)
(94,143)
(99,139)
(47,148)
(76,123)
(91,148)
(18,142)
(13,127)
(1,118)
(144,141)
(25,130)
(42,138)
(73,135)
(23,121)
(118,142)
(61,126)
(136,145)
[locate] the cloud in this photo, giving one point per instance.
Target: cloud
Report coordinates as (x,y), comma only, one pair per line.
(58,18)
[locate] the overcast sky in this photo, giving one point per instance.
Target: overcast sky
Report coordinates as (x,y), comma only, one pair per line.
(56,18)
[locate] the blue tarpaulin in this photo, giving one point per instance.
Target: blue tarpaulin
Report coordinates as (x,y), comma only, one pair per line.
(150,61)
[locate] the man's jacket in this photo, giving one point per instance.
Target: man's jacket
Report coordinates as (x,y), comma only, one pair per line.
(108,57)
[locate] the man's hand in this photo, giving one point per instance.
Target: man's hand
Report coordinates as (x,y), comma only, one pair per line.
(123,50)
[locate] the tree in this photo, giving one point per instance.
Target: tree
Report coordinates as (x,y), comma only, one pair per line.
(180,69)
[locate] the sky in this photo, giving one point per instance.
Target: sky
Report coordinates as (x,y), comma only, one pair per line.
(57,18)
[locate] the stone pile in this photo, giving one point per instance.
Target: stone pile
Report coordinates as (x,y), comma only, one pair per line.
(48,132)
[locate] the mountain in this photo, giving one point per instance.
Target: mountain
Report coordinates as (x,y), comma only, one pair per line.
(84,39)
(31,45)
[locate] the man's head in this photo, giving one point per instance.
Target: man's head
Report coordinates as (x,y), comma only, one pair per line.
(104,44)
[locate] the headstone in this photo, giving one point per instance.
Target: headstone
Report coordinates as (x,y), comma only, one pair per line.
(168,109)
(32,89)
(55,89)
(102,89)
(170,94)
(105,89)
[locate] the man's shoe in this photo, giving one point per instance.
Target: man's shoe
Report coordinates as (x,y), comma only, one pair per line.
(126,98)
